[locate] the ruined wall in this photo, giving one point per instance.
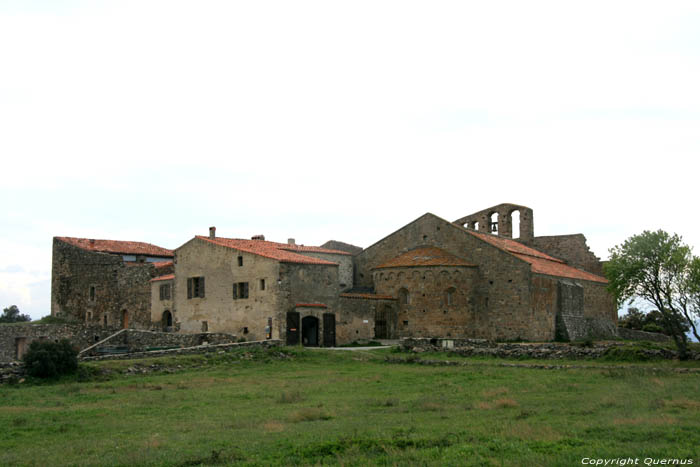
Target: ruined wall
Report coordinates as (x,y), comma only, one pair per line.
(501,295)
(571,248)
(21,335)
(118,287)
(356,319)
(217,311)
(429,311)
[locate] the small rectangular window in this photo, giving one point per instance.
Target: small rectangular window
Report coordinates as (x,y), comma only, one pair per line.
(195,287)
(165,292)
(262,284)
(240,290)
(92,293)
(240,261)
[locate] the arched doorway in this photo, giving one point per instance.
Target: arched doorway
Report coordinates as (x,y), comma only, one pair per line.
(309,331)
(167,321)
(125,319)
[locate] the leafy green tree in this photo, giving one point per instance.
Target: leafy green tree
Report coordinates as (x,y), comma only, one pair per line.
(46,359)
(12,315)
(659,268)
(651,321)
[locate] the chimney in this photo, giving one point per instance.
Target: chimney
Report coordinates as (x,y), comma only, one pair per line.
(92,241)
(291,241)
(257,237)
(212,232)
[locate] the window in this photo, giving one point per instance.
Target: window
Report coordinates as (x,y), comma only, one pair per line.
(404,296)
(195,287)
(165,292)
(92,293)
(240,261)
(240,290)
(450,296)
(262,284)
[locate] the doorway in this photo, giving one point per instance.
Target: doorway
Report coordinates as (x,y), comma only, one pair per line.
(125,319)
(167,321)
(309,331)
(292,327)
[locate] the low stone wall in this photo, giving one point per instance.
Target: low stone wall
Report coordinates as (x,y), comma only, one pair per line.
(633,334)
(15,372)
(15,338)
(553,350)
(205,348)
(139,340)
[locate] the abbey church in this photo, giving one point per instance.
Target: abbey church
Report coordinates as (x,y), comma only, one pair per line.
(485,275)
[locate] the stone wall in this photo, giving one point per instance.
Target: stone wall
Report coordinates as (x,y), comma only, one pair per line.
(357,317)
(137,340)
(345,266)
(429,311)
(634,334)
(571,248)
(17,337)
(100,288)
(161,305)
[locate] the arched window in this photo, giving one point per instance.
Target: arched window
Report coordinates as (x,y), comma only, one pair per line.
(476,226)
(404,296)
(493,223)
(450,296)
(515,223)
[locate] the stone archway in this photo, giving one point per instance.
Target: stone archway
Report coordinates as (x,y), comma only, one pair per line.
(167,321)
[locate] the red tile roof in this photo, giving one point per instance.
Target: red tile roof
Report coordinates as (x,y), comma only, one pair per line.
(167,277)
(424,256)
(540,263)
(162,264)
(311,305)
(367,296)
(117,246)
(277,251)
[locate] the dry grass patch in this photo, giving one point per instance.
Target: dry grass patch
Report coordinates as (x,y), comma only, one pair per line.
(290,397)
(491,393)
(309,414)
(526,431)
(273,426)
(503,403)
(686,404)
(663,420)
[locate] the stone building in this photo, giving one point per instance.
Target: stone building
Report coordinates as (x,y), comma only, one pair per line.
(256,289)
(105,282)
(485,275)
(471,279)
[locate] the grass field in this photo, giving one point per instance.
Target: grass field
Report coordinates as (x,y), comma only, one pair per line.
(350,408)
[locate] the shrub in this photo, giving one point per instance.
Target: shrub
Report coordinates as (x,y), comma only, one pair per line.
(46,359)
(652,327)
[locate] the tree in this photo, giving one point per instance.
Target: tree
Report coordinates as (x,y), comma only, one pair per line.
(651,321)
(658,267)
(46,359)
(12,315)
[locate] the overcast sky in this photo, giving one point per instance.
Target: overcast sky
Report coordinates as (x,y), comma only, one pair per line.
(151,121)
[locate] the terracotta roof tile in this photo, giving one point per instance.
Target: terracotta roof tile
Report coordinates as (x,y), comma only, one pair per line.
(117,246)
(540,263)
(167,277)
(270,250)
(162,264)
(424,256)
(553,268)
(367,296)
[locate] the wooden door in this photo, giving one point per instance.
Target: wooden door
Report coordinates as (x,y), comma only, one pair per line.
(328,330)
(292,328)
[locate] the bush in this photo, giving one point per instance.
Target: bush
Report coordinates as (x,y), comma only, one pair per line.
(652,327)
(46,359)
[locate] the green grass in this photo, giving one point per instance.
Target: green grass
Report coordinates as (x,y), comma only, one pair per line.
(297,407)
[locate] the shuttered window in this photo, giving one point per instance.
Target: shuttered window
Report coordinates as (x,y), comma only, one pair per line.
(195,287)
